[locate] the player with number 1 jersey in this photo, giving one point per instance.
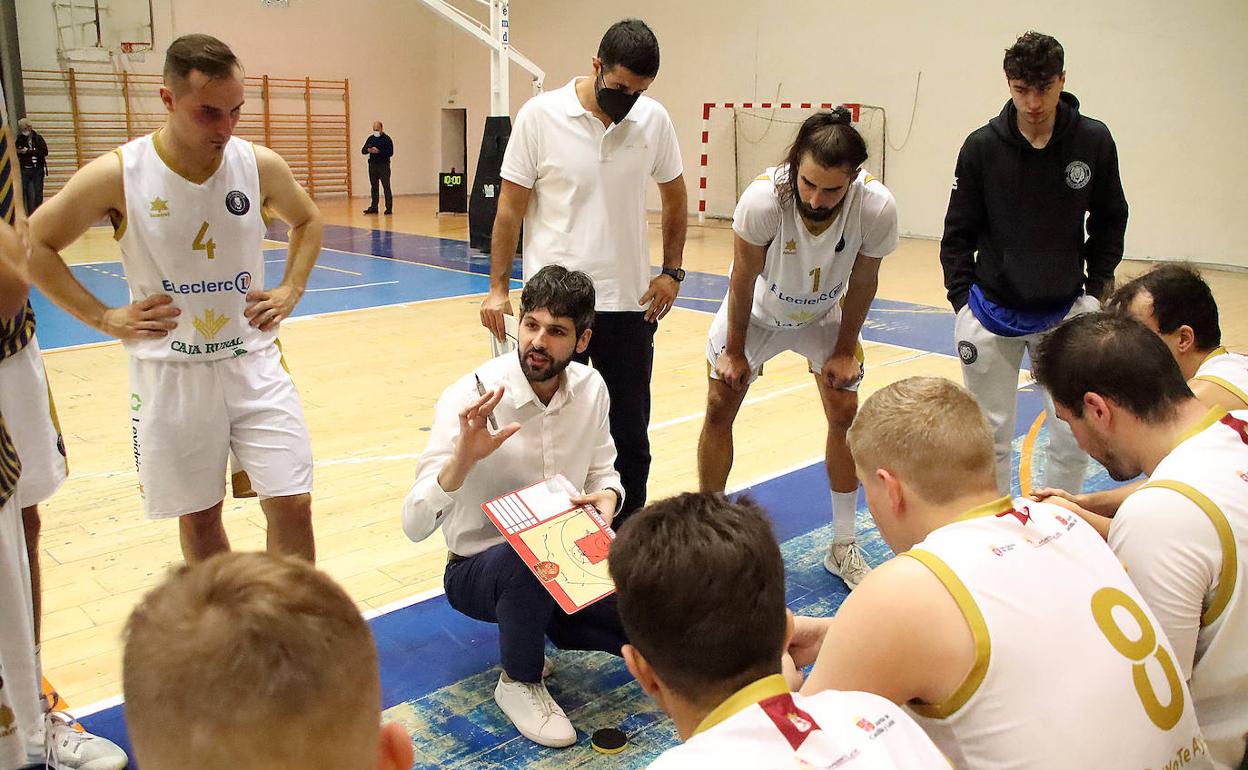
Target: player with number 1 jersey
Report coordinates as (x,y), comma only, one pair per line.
(809,238)
(207,377)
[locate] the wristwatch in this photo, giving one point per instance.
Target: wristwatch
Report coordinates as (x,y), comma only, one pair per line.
(674,272)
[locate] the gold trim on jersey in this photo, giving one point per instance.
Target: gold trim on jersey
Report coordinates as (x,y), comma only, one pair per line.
(998,506)
(1224,384)
(1213,415)
(755,692)
(1220,350)
(979,632)
(1226,538)
(119,224)
(10,465)
(16,332)
(160,153)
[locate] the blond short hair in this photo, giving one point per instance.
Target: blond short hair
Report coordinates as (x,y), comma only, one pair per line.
(249,660)
(930,433)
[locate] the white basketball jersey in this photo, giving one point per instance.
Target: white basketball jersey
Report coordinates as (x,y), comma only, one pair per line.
(199,243)
(805,275)
(1071,668)
(1211,470)
(1227,369)
(766,727)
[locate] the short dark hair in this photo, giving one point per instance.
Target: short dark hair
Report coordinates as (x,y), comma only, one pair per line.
(630,43)
(831,141)
(1034,59)
(1180,298)
(561,292)
(1115,357)
(700,590)
(199,52)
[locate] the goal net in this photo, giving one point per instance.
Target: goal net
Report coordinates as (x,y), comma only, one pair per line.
(740,140)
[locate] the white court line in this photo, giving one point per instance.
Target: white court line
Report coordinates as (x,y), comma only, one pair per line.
(319,267)
(353,286)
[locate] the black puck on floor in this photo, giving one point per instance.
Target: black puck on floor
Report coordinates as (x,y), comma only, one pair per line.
(608,740)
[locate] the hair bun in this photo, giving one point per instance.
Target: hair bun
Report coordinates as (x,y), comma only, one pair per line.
(841,116)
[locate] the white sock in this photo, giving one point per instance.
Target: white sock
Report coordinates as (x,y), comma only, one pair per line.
(844,515)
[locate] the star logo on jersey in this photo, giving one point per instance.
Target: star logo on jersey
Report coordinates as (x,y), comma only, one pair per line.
(160,207)
(790,246)
(210,324)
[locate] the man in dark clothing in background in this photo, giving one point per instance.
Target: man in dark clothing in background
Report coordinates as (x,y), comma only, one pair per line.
(32,153)
(1016,257)
(379,148)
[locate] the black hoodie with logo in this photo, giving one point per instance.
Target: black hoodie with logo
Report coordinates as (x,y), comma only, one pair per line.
(1015,223)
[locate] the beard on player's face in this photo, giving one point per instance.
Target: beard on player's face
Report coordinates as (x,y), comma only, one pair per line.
(812,214)
(539,365)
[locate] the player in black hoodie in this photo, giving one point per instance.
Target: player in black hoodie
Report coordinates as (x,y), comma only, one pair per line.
(1015,254)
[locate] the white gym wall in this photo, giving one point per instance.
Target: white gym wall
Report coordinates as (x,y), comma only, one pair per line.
(385,47)
(1166,77)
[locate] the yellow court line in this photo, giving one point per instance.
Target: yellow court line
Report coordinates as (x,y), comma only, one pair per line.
(1024,460)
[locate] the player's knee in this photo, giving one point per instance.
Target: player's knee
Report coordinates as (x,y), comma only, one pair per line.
(721,408)
(201,521)
(841,410)
(292,510)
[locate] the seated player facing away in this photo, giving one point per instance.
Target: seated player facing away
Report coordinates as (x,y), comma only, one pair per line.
(809,238)
(252,661)
(1176,304)
(553,417)
(700,583)
(1184,535)
(1009,631)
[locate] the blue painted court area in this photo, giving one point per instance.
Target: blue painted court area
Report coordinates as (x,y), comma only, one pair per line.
(340,281)
(439,668)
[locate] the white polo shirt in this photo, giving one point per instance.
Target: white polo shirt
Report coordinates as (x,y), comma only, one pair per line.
(588,208)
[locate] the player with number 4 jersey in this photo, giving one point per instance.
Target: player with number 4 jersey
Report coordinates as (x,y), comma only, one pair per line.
(207,377)
(809,238)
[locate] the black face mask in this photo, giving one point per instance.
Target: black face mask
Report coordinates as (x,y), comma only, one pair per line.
(614,102)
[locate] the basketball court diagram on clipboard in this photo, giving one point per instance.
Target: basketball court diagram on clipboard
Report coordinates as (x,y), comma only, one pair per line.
(565,545)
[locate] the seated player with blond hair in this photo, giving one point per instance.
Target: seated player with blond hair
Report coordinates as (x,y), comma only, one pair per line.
(700,583)
(251,661)
(1009,630)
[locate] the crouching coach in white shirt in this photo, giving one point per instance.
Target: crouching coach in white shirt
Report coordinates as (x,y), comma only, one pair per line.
(553,417)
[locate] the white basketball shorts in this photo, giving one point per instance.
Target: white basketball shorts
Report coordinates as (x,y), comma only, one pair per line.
(815,341)
(30,417)
(186,417)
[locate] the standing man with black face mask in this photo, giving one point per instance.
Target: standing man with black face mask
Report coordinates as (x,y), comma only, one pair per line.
(575,173)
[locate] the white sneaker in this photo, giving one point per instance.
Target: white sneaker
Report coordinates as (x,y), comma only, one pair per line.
(845,560)
(534,713)
(65,748)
